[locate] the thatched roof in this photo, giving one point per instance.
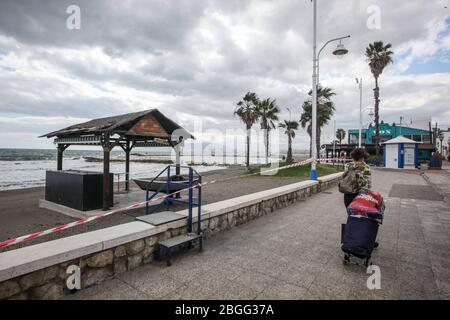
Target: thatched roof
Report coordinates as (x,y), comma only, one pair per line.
(120,124)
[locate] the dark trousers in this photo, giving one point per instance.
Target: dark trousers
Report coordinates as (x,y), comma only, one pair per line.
(348,198)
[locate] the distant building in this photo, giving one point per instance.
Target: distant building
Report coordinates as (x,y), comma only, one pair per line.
(391,131)
(445,148)
(401,153)
(387,132)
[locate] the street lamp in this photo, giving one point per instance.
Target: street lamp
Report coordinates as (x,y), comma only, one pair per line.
(371,113)
(359,82)
(339,51)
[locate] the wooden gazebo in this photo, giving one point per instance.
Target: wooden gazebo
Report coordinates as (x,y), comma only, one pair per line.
(148,128)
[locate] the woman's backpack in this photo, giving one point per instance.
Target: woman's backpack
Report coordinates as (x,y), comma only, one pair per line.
(349,182)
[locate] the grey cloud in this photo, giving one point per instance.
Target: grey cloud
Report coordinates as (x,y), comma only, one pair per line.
(116,26)
(192,54)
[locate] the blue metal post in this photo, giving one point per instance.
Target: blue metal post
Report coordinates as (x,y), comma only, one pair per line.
(199,206)
(401,156)
(313,173)
(189,230)
(146,199)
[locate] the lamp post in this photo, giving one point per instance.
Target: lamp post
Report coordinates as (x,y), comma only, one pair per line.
(334,139)
(339,51)
(359,82)
(370,114)
(401,119)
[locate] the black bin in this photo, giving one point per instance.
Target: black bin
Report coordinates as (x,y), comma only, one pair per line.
(81,190)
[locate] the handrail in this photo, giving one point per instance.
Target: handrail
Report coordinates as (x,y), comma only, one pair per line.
(186,167)
(146,186)
(193,175)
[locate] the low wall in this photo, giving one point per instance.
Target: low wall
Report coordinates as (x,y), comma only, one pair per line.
(41,271)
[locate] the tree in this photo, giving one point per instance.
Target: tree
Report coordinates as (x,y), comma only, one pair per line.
(325,110)
(378,56)
(267,110)
(340,135)
(246,111)
(290,127)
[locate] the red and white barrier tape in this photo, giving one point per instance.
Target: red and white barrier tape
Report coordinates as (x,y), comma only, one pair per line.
(98,216)
(334,159)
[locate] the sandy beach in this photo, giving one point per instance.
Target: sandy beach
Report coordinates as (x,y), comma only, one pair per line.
(20,213)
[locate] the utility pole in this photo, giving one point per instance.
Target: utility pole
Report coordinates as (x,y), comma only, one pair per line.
(359,81)
(334,139)
(313,173)
(339,51)
(401,118)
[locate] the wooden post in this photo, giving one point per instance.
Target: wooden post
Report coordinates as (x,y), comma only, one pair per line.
(127,166)
(59,164)
(106,182)
(60,148)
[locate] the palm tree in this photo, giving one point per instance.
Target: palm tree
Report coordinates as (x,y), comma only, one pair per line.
(325,110)
(267,110)
(246,111)
(379,56)
(290,127)
(340,135)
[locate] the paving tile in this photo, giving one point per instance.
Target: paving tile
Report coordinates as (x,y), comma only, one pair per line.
(150,280)
(285,291)
(299,275)
(234,290)
(340,292)
(366,294)
(190,293)
(114,289)
(414,255)
(415,280)
(254,281)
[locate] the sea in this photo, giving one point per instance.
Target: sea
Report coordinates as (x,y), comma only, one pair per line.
(26,168)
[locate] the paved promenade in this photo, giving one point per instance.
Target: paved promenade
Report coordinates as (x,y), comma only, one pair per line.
(295,253)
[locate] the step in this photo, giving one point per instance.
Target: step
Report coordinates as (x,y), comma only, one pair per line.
(176,241)
(159,218)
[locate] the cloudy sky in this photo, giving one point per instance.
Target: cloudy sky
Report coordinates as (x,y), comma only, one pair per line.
(194,59)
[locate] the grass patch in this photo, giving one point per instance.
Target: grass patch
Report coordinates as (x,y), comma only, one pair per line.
(301,171)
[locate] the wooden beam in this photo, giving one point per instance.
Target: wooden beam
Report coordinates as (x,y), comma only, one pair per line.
(106,161)
(127,165)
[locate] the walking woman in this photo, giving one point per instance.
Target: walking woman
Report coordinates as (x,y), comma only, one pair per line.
(357,179)
(361,180)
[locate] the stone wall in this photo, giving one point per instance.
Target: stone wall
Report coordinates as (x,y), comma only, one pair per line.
(51,282)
